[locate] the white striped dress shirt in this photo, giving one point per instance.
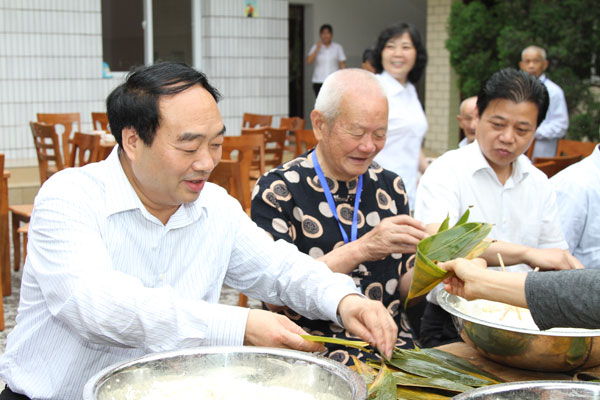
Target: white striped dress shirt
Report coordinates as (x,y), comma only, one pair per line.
(105,281)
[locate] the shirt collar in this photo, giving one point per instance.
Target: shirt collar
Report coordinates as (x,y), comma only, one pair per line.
(519,170)
(121,197)
(391,84)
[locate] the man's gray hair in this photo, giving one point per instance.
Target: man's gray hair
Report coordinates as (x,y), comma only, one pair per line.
(539,49)
(335,87)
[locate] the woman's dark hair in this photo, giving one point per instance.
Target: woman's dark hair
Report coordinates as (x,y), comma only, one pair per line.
(516,86)
(393,31)
(325,26)
(134,103)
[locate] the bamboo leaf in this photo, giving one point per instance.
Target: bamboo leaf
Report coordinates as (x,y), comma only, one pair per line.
(464,239)
(404,379)
(460,363)
(357,344)
(404,393)
(445,224)
(421,364)
(384,386)
(463,219)
(367,372)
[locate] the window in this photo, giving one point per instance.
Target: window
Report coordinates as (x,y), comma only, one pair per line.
(137,32)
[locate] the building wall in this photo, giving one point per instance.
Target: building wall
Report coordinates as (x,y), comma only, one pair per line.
(247,58)
(51,61)
(441,90)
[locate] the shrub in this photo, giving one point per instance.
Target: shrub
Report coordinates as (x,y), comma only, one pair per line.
(485,36)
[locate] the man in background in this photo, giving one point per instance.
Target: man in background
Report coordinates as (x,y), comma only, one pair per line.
(554,127)
(467,120)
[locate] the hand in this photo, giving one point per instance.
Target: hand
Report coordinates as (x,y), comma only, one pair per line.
(551,259)
(264,328)
(398,234)
(467,275)
(370,321)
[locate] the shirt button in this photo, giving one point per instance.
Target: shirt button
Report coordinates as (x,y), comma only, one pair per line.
(161,277)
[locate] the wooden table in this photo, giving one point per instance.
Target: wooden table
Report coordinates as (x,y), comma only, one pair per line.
(509,374)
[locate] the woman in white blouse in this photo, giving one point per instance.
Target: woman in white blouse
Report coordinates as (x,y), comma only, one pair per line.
(400,60)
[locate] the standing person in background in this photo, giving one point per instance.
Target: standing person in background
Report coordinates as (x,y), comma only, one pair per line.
(400,60)
(328,57)
(467,120)
(368,60)
(554,127)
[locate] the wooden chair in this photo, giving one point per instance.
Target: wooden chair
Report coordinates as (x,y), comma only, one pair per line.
(292,125)
(274,146)
(47,149)
(85,149)
(20,214)
(254,120)
(227,174)
(305,140)
(4,247)
(245,149)
(550,168)
(100,121)
(559,163)
(573,147)
(67,120)
(529,152)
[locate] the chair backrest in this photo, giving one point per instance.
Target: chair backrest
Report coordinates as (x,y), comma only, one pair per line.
(47,149)
(305,140)
(256,137)
(227,174)
(85,149)
(292,123)
(560,163)
(243,149)
(550,168)
(100,121)
(274,144)
(66,120)
(529,152)
(573,147)
(254,120)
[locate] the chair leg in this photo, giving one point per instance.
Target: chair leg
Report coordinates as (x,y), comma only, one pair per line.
(16,242)
(242,300)
(24,246)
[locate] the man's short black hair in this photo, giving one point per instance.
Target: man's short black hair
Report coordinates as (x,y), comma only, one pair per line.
(393,31)
(516,86)
(134,103)
(369,55)
(325,26)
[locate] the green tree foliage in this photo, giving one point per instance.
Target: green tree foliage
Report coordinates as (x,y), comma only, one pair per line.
(485,36)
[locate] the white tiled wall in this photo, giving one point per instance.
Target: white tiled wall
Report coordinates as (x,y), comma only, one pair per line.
(51,61)
(247,58)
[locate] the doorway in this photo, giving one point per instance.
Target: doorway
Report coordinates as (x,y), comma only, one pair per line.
(296,60)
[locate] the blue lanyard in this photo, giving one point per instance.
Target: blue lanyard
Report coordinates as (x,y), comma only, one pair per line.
(329,197)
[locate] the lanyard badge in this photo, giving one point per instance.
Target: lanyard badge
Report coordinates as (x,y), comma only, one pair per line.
(329,197)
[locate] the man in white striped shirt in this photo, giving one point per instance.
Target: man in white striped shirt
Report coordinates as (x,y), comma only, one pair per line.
(126,257)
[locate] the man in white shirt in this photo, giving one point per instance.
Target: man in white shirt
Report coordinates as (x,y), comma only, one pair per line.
(128,256)
(501,185)
(467,120)
(327,55)
(555,125)
(578,198)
